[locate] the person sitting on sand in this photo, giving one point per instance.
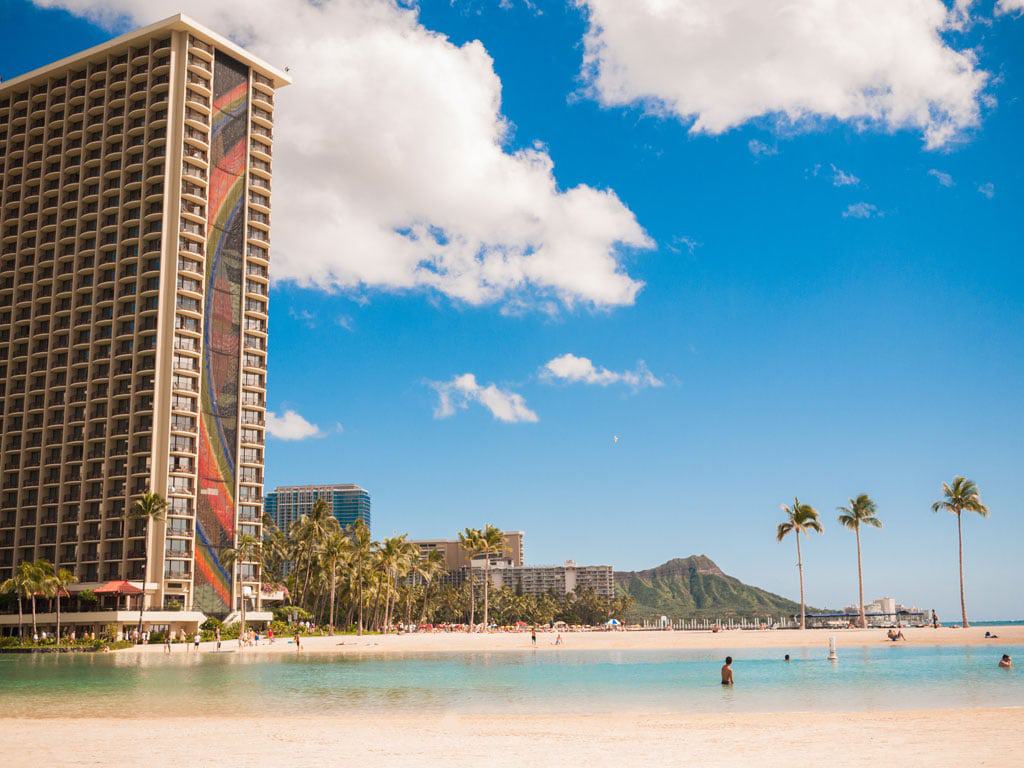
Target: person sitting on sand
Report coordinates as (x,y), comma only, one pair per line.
(727,671)
(1006,662)
(990,636)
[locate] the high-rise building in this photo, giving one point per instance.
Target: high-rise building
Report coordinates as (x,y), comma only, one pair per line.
(134,257)
(348,503)
(556,579)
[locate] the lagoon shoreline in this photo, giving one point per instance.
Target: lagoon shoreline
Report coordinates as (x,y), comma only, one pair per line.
(727,641)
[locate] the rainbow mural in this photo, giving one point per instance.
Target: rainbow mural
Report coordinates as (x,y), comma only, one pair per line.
(222,336)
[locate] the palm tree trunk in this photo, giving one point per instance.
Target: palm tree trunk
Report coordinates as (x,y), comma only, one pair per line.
(426,591)
(145,567)
(860,582)
(960,542)
(359,597)
(800,568)
(21,621)
(472,597)
(34,632)
(334,583)
(58,615)
(487,590)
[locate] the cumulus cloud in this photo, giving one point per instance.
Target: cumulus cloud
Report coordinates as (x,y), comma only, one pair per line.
(1010,6)
(988,189)
(291,426)
(841,178)
(944,179)
(459,392)
(392,162)
(862,211)
(572,369)
(717,64)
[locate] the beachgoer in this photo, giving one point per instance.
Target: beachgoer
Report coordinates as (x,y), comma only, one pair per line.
(727,671)
(167,642)
(298,642)
(216,636)
(787,657)
(935,619)
(1006,662)
(558,639)
(533,636)
(195,640)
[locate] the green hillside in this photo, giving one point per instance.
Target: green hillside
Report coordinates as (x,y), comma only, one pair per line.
(694,587)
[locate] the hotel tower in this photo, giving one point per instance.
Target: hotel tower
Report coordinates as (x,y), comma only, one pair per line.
(135,184)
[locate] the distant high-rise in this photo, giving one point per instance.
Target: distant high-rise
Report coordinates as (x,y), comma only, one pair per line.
(348,503)
(134,257)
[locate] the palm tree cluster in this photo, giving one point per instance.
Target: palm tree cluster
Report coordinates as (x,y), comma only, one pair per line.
(343,577)
(35,579)
(960,496)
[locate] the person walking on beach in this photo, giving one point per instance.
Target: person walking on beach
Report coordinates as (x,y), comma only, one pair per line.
(167,642)
(195,641)
(727,671)
(216,636)
(1006,662)
(298,642)
(533,637)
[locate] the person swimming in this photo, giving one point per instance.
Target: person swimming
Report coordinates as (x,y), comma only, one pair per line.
(1006,662)
(786,658)
(727,671)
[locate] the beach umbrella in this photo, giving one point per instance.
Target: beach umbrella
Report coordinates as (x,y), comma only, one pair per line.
(613,622)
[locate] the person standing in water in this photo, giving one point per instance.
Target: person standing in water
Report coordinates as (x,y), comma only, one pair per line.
(727,671)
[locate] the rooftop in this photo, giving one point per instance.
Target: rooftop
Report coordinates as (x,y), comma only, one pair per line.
(174,23)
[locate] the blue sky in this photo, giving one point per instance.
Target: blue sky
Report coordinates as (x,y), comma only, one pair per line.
(800,351)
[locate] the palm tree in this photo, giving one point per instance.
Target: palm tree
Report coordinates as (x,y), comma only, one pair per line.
(335,553)
(247,550)
(469,542)
(862,511)
(427,568)
(60,581)
(800,518)
(359,560)
(150,507)
(21,585)
(312,531)
(961,496)
(492,542)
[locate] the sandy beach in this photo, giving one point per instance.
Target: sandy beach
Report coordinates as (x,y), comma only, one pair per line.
(731,641)
(936,738)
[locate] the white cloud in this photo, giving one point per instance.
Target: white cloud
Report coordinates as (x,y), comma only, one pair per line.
(841,178)
(1010,6)
(944,179)
(391,163)
(572,369)
(291,426)
(862,211)
(720,63)
(988,189)
(304,316)
(760,149)
(460,391)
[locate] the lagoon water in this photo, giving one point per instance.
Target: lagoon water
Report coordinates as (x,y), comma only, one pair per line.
(873,678)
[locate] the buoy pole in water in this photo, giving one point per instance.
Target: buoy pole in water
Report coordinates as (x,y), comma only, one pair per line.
(832,648)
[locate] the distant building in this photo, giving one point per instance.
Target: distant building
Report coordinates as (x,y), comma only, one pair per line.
(455,558)
(348,503)
(555,579)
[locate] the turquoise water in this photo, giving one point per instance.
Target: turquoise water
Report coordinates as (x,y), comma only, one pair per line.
(883,677)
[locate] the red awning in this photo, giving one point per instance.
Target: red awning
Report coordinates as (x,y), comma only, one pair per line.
(118,588)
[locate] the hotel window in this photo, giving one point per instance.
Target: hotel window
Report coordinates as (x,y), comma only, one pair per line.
(183,423)
(184,362)
(180,506)
(186,323)
(183,444)
(184,382)
(183,403)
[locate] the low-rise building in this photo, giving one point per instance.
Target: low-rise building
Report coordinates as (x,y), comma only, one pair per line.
(556,579)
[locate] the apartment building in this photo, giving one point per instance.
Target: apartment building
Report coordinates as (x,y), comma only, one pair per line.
(456,559)
(348,503)
(135,184)
(555,579)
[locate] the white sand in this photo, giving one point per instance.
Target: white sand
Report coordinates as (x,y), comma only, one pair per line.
(933,738)
(731,641)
